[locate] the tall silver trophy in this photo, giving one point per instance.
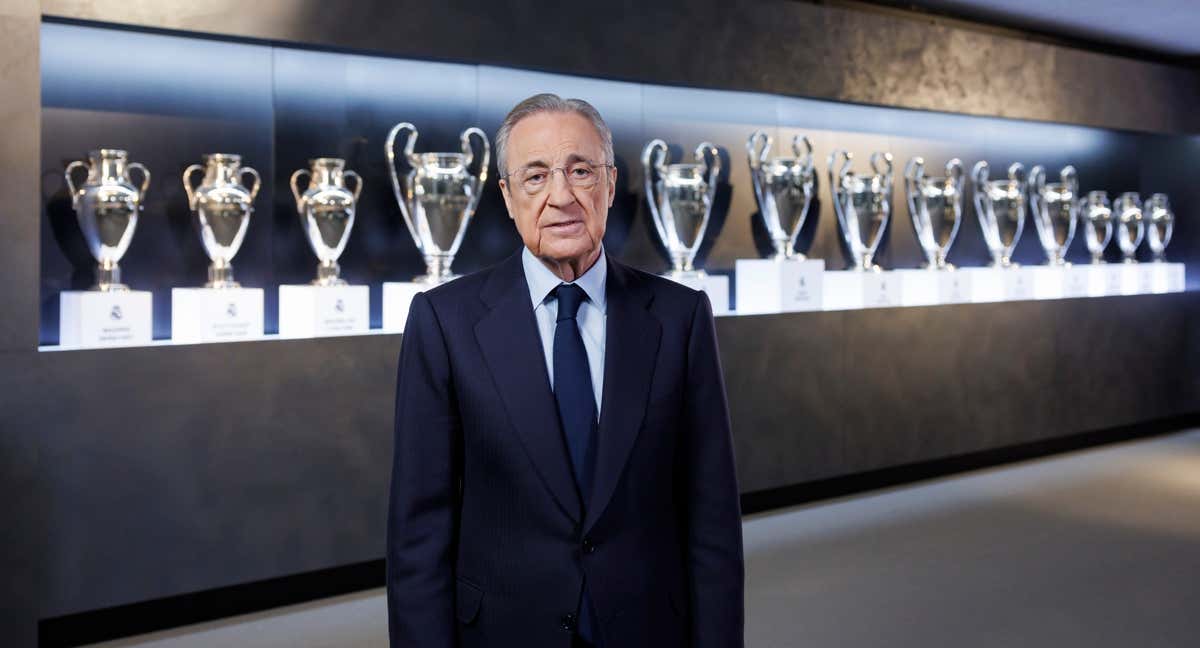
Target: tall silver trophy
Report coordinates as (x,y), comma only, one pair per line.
(107,206)
(935,205)
(681,198)
(438,196)
(863,204)
(1096,217)
(222,205)
(1055,208)
(1160,224)
(1130,223)
(327,208)
(1000,206)
(784,189)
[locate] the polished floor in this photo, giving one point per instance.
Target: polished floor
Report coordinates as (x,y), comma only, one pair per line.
(1096,548)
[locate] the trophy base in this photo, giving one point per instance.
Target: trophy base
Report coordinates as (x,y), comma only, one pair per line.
(715,286)
(109,318)
(328,282)
(429,280)
(109,287)
(397,299)
(220,314)
(852,289)
(778,285)
(999,283)
(932,285)
(222,285)
(316,311)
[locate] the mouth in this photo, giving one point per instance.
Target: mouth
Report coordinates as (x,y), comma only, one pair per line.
(564,227)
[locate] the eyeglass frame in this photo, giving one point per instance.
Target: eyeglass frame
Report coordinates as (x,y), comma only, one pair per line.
(550,171)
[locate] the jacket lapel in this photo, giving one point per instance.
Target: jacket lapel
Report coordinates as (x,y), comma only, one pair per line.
(631,351)
(512,349)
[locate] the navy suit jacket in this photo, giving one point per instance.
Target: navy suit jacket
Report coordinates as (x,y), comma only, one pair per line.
(488,539)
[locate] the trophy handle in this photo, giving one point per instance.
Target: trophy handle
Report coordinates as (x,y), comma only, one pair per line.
(758,146)
(954,169)
(187,183)
(653,157)
(713,168)
(836,174)
(397,189)
(887,161)
(294,182)
(145,184)
(257,181)
(77,164)
(914,172)
(1037,182)
(1070,179)
(803,148)
(1016,173)
(469,152)
(357,183)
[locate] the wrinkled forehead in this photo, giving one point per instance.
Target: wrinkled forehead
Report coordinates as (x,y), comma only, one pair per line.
(553,139)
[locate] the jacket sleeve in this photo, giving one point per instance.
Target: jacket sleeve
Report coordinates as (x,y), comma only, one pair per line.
(423,504)
(714,525)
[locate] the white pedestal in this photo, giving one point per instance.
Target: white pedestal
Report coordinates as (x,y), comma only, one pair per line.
(312,311)
(926,287)
(1145,278)
(1114,278)
(1130,278)
(216,314)
(1094,277)
(397,298)
(775,286)
(715,286)
(849,289)
(1176,277)
(103,319)
(1049,282)
(999,284)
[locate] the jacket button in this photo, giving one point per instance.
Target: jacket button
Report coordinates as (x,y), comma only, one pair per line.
(568,623)
(588,547)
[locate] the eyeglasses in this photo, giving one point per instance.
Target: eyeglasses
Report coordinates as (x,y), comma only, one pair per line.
(581,175)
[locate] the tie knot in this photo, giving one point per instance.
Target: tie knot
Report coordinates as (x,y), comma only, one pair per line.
(569,296)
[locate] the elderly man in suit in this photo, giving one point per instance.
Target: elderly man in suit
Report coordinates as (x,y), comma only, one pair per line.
(563,469)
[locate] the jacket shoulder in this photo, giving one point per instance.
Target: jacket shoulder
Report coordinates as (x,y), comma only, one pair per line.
(668,294)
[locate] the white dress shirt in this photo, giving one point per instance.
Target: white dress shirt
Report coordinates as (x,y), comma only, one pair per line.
(592,316)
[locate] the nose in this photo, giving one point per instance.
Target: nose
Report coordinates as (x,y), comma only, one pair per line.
(560,190)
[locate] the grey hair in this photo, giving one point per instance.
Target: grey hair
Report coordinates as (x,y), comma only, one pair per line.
(548,102)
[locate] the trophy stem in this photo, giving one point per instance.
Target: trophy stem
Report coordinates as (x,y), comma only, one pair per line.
(220,275)
(327,274)
(681,265)
(1130,260)
(437,269)
(1097,258)
(108,277)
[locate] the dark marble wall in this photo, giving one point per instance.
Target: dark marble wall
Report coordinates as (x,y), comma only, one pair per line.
(789,47)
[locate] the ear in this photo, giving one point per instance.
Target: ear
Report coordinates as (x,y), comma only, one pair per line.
(612,184)
(507,197)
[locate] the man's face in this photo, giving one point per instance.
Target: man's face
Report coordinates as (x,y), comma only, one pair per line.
(560,223)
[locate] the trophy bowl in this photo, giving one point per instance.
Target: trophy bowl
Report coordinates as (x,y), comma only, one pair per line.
(935,206)
(681,198)
(222,205)
(1130,223)
(1055,208)
(784,189)
(107,205)
(1000,206)
(863,204)
(1096,217)
(1160,224)
(327,209)
(438,196)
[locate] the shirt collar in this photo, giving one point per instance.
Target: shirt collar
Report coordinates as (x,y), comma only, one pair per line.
(541,280)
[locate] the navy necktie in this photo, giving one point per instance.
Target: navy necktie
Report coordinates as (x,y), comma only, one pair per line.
(576,409)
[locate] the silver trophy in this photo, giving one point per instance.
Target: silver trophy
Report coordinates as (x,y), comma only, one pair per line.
(1160,224)
(1095,214)
(223,206)
(326,209)
(784,189)
(438,196)
(1000,205)
(1131,225)
(1055,208)
(107,205)
(863,204)
(935,205)
(681,200)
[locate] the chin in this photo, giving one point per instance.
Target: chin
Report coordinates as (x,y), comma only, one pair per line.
(566,249)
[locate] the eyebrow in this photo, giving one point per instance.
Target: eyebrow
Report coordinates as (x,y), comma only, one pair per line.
(571,159)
